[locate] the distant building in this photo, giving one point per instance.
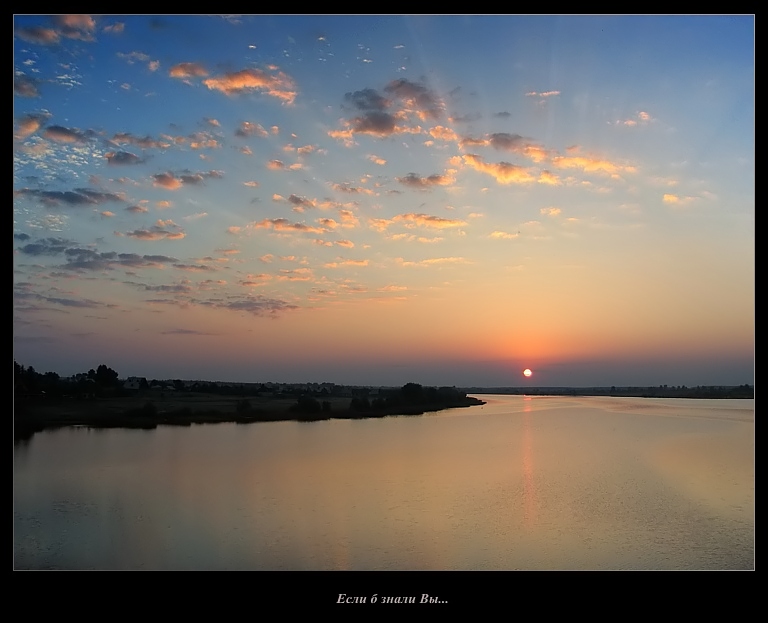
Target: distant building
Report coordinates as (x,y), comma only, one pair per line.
(135,382)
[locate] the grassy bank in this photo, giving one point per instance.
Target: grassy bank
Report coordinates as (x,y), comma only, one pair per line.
(149,409)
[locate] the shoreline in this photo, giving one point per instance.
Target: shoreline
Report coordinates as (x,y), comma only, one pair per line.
(148,411)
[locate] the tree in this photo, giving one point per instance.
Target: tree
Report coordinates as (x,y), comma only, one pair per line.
(104,376)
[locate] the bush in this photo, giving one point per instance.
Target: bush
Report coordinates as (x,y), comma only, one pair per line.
(307,404)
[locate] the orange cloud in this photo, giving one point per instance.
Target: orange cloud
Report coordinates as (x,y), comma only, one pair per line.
(247,80)
(546,177)
(282,224)
(550,211)
(187,70)
(502,235)
(29,124)
(426,220)
(432,261)
(247,128)
(503,172)
(346,263)
(444,134)
(591,165)
(348,219)
(167,180)
(677,200)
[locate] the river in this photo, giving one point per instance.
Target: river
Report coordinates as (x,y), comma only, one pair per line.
(529,483)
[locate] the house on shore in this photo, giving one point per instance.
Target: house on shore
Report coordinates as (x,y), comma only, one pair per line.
(135,382)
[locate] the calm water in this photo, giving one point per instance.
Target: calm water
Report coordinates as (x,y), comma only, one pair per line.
(521,483)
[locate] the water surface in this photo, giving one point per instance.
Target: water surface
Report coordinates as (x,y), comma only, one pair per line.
(539,483)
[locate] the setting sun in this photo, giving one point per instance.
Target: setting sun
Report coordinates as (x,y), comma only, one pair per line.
(527,372)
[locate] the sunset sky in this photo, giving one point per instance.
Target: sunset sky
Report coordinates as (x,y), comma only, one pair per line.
(445,200)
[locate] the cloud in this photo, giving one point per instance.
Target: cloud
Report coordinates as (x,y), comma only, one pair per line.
(503,172)
(75,26)
(296,274)
(44,246)
(137,209)
(344,263)
(25,86)
(502,235)
(348,219)
(256,305)
(551,211)
(78,258)
(117,27)
(427,220)
(543,94)
(436,261)
(277,85)
(195,268)
(145,142)
(677,200)
(417,98)
(416,220)
(61,134)
(547,177)
(167,180)
(641,118)
(246,128)
(38,35)
(504,141)
(375,123)
(591,165)
(161,230)
(29,124)
(187,70)
(281,224)
(423,183)
(367,99)
(171,182)
(376,160)
(78,196)
(444,134)
(298,203)
(175,289)
(380,114)
(122,157)
(346,188)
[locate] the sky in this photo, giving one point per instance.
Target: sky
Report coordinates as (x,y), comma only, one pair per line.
(376,200)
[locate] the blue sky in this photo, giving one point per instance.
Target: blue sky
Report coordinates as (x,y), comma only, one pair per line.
(386,199)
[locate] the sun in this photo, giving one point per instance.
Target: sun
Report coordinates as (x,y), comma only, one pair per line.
(527,372)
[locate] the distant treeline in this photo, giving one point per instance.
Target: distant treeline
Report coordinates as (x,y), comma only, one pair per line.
(660,391)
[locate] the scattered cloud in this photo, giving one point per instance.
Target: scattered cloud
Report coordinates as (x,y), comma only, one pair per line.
(246,129)
(503,172)
(122,157)
(76,197)
(187,70)
(276,84)
(282,224)
(161,230)
(25,86)
(170,181)
(678,200)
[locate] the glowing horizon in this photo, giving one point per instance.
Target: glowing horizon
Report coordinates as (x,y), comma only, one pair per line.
(376,200)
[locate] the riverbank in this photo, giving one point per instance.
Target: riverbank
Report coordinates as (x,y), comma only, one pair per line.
(149,409)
